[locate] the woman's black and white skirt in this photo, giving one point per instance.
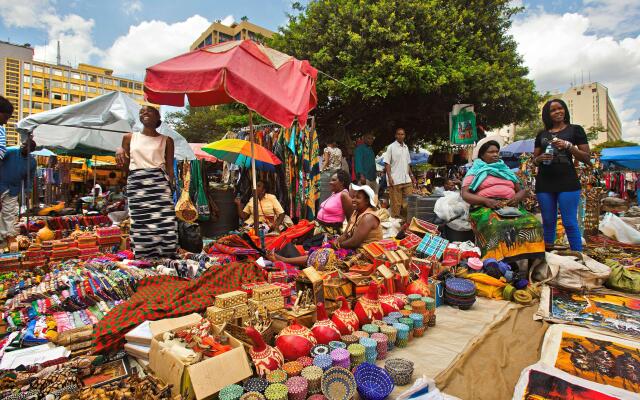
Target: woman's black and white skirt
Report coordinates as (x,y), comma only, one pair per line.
(153,215)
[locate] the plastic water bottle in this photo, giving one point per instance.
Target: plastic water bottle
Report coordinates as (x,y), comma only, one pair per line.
(549,150)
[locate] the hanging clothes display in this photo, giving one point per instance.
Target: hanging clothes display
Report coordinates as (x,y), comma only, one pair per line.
(295,182)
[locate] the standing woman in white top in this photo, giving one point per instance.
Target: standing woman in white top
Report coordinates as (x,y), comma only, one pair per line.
(147,157)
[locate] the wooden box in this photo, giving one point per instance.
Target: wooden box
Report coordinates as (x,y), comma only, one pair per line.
(334,288)
(266,292)
(241,311)
(231,299)
(219,315)
(311,279)
(271,304)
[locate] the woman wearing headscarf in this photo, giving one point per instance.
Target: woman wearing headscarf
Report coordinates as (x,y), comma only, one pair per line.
(504,230)
(147,157)
(557,183)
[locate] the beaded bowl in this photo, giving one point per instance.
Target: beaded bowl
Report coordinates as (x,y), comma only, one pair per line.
(372,382)
(338,384)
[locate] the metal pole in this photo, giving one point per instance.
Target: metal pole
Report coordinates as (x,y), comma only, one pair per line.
(93,189)
(256,215)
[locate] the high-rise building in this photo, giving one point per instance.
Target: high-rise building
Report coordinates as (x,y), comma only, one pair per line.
(34,86)
(590,106)
(218,33)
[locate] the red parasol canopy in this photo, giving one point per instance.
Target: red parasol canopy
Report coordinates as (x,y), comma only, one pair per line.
(201,155)
(275,85)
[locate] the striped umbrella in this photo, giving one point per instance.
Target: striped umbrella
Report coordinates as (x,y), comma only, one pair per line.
(238,152)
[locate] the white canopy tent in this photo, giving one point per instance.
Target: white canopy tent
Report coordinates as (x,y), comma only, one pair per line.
(94,126)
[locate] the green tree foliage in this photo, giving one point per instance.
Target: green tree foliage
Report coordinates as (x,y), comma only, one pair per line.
(207,124)
(611,144)
(405,63)
(529,129)
(594,131)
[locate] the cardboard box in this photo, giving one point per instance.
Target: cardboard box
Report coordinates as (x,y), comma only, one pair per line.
(206,377)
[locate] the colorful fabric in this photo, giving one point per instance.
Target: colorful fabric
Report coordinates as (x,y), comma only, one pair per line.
(154,228)
(161,297)
(492,187)
(481,170)
(508,239)
(432,246)
(312,167)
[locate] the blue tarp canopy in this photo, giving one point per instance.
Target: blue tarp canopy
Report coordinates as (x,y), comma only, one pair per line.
(519,147)
(416,158)
(626,157)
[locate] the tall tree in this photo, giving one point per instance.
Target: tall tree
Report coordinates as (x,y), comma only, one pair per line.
(405,63)
(207,124)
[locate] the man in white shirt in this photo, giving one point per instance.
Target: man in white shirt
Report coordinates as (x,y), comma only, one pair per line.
(400,179)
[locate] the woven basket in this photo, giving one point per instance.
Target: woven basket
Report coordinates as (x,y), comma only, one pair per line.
(231,392)
(305,361)
(338,384)
(298,388)
(400,370)
(255,385)
(370,328)
(320,349)
(276,376)
(349,339)
(252,396)
(323,361)
(292,368)
(313,375)
(239,333)
(373,383)
(277,391)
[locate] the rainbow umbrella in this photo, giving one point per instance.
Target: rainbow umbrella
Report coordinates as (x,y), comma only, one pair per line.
(238,152)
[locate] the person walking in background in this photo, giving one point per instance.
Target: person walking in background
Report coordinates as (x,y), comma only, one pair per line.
(365,163)
(6,111)
(18,167)
(557,182)
(400,179)
(332,157)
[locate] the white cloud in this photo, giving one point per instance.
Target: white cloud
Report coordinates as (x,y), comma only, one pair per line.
(559,49)
(132,6)
(73,31)
(616,17)
(228,20)
(151,42)
(23,14)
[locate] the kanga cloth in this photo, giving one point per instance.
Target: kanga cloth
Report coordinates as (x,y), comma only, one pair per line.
(154,229)
(163,296)
(508,239)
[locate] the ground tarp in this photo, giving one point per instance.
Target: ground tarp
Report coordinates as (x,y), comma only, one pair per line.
(95,126)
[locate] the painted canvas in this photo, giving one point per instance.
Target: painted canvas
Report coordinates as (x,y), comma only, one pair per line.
(542,386)
(600,361)
(619,314)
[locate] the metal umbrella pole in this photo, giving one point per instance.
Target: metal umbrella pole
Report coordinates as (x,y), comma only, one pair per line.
(256,215)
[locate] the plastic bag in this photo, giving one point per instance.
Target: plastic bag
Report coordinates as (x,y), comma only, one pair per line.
(451,207)
(615,228)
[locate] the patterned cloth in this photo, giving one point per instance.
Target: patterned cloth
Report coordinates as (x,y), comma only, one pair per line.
(508,239)
(432,246)
(153,216)
(161,297)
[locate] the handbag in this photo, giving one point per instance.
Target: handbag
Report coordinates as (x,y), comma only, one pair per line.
(508,212)
(623,279)
(202,203)
(185,210)
(189,237)
(570,270)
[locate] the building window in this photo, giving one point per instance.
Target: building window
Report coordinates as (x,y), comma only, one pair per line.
(92,78)
(26,79)
(123,84)
(108,81)
(594,90)
(57,96)
(75,87)
(208,40)
(38,68)
(138,86)
(27,66)
(75,98)
(26,104)
(26,91)
(36,105)
(57,72)
(37,92)
(76,75)
(579,92)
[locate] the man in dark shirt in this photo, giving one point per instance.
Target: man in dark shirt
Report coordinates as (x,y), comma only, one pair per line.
(18,166)
(365,163)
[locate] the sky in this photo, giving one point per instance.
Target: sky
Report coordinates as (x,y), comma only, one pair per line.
(560,41)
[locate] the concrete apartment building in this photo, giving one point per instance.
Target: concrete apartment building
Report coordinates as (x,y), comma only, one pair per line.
(590,106)
(218,33)
(34,86)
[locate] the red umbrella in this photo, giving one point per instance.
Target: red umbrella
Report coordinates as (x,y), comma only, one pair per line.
(277,86)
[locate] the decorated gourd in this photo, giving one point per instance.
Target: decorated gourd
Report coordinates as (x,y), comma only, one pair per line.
(324,330)
(295,341)
(419,286)
(45,233)
(264,357)
(368,307)
(345,319)
(389,302)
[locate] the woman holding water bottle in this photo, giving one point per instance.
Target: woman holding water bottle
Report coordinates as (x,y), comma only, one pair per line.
(557,183)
